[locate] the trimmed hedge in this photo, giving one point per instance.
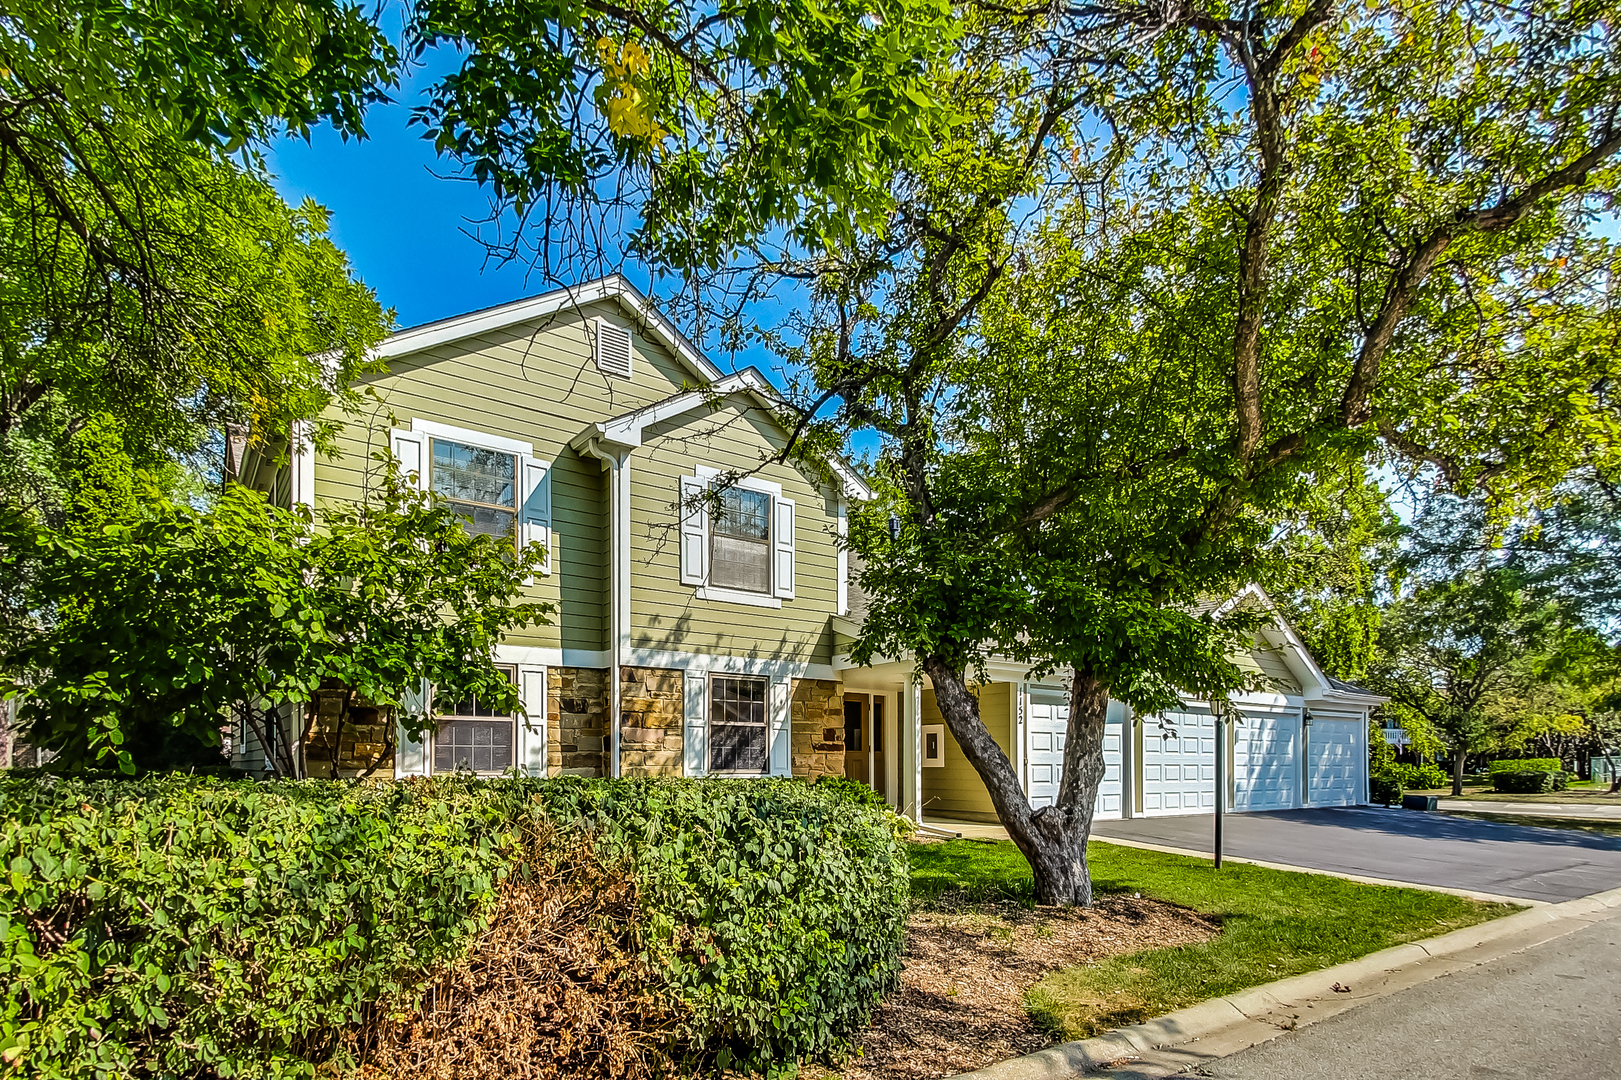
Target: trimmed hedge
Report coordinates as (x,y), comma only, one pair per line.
(1535,764)
(1387,783)
(181,925)
(1529,782)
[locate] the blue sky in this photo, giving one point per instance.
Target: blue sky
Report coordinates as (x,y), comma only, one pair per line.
(403,226)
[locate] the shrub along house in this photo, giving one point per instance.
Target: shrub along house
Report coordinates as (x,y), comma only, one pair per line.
(698,637)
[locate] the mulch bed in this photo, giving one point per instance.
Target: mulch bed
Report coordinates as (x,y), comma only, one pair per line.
(960,1005)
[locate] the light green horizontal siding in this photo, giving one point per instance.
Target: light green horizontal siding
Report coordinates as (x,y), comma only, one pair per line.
(538,382)
(1266,660)
(954,790)
(663,611)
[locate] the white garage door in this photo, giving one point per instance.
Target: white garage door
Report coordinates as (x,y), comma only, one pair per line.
(1179,764)
(1045,730)
(1044,754)
(1333,760)
(1266,764)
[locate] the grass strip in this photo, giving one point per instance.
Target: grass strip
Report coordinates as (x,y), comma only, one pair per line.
(1275,923)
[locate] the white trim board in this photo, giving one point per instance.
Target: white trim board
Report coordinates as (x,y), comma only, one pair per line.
(481,439)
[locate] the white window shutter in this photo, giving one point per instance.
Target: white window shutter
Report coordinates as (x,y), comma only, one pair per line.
(782,544)
(532,725)
(407,447)
(780,725)
(535,520)
(695,743)
(841,530)
(694,531)
(613,349)
(410,756)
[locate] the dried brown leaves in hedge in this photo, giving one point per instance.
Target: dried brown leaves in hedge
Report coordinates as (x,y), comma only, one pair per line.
(553,988)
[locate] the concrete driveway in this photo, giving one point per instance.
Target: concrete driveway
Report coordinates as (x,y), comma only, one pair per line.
(1404,845)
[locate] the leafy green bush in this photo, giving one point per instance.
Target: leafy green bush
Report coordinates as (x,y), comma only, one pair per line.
(1528,782)
(1412,777)
(1535,764)
(182,925)
(1384,789)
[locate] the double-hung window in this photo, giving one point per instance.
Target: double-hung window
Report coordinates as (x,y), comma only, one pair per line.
(740,541)
(739,739)
(737,542)
(479,484)
(472,736)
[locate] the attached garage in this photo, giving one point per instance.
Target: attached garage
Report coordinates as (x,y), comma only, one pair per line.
(1298,738)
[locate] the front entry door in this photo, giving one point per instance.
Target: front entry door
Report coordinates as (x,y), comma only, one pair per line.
(855,747)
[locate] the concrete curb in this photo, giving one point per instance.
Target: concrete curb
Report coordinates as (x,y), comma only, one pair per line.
(1192,853)
(1238,1020)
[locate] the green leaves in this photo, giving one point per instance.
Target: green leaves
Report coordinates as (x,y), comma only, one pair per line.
(183,617)
(243,928)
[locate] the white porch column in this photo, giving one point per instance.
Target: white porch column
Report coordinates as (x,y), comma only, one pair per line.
(1020,733)
(911,804)
(1128,761)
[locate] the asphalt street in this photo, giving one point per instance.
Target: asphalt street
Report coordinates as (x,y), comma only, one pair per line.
(1550,1013)
(1404,845)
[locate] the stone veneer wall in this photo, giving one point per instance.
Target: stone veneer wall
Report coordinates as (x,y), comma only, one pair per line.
(651,707)
(817,707)
(577,737)
(362,739)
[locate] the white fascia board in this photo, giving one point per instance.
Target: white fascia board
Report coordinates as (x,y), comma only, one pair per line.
(1282,637)
(613,287)
(1333,698)
(627,429)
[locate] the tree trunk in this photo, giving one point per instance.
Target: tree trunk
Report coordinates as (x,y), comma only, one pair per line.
(1053,839)
(1459,753)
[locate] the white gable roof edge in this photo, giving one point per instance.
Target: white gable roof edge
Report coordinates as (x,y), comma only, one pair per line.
(626,429)
(613,287)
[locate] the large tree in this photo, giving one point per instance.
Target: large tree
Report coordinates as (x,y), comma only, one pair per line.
(1255,244)
(1452,649)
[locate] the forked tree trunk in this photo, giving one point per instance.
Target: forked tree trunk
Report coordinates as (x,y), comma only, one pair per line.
(1053,838)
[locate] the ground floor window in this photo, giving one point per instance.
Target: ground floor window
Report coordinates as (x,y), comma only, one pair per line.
(471,736)
(738,740)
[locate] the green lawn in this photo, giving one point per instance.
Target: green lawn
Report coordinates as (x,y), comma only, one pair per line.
(1580,793)
(1274,924)
(1600,826)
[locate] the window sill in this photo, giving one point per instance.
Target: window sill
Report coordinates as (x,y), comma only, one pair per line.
(737,596)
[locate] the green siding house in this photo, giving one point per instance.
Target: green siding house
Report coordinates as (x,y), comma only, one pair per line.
(684,643)
(711,636)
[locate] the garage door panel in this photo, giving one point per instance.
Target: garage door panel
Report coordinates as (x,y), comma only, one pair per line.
(1179,766)
(1047,724)
(1266,762)
(1333,755)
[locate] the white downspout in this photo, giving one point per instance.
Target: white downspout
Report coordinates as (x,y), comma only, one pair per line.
(616,463)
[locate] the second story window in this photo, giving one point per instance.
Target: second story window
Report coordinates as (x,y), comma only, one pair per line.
(481,485)
(740,541)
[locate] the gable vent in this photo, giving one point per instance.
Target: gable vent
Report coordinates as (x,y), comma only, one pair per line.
(613,349)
